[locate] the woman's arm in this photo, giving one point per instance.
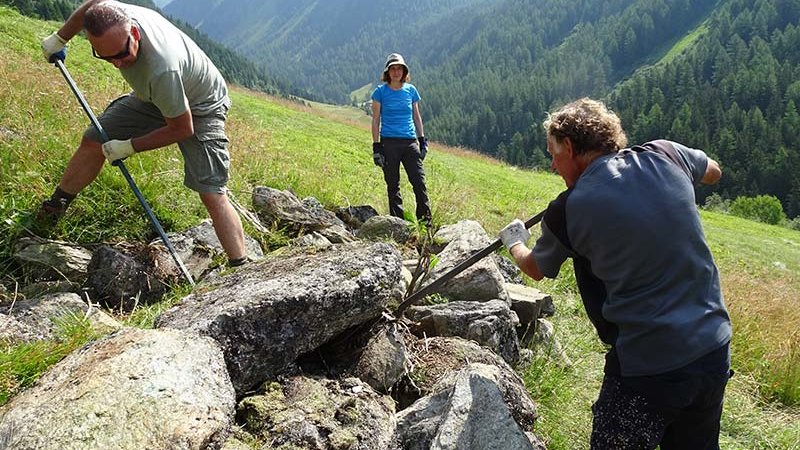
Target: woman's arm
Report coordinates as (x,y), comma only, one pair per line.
(376,121)
(417,119)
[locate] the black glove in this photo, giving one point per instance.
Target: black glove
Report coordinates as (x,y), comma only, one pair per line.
(60,55)
(423,147)
(377,154)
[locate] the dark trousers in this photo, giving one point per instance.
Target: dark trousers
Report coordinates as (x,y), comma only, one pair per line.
(406,152)
(679,410)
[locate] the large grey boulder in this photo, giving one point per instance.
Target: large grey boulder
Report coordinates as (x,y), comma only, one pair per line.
(374,352)
(319,414)
(529,303)
(378,228)
(383,360)
(437,358)
(511,273)
(355,216)
(480,282)
(284,209)
(466,411)
(465,230)
(197,246)
(134,389)
(313,239)
(122,278)
(491,324)
(42,317)
(268,313)
(53,260)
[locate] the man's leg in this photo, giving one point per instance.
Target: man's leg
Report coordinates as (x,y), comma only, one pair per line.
(227,224)
(124,118)
(83,167)
(623,420)
(697,426)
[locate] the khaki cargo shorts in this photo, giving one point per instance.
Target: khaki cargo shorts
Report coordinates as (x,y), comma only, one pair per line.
(206,160)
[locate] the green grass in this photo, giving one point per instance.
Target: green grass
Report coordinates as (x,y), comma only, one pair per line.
(684,43)
(22,364)
(326,153)
(362,94)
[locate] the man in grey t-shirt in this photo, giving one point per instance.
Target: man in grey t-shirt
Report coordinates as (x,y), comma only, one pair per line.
(178,96)
(646,276)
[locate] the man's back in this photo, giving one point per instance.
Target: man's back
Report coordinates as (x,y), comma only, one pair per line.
(171,67)
(632,216)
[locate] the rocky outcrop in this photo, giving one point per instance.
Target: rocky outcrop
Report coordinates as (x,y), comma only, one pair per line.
(466,410)
(385,228)
(303,337)
(288,212)
(267,314)
(491,324)
(317,413)
(52,260)
(42,317)
(134,389)
(480,282)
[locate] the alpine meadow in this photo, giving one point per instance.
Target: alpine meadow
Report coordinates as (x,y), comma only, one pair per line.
(722,76)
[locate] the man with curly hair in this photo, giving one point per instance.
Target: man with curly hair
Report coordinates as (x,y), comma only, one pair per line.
(646,276)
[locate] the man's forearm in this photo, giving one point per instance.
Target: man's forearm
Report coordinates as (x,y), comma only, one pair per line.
(523,257)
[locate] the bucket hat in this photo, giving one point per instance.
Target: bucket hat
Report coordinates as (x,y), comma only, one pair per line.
(394,59)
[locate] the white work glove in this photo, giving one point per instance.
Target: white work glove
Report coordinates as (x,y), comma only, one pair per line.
(52,44)
(514,233)
(115,150)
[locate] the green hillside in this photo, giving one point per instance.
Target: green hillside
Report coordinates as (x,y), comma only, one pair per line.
(318,152)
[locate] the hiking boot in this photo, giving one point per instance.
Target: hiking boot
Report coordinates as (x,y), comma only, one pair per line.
(47,216)
(238,262)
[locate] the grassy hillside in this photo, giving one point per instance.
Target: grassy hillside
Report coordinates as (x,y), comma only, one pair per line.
(320,152)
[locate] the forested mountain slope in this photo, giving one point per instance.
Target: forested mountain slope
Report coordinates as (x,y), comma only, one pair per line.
(735,92)
(715,75)
(328,48)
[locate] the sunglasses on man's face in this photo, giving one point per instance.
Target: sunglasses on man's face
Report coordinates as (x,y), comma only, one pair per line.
(123,54)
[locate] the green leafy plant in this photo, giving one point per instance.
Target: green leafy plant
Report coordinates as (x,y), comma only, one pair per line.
(763,208)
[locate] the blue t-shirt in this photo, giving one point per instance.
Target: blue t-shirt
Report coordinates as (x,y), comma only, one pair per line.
(397,120)
(647,276)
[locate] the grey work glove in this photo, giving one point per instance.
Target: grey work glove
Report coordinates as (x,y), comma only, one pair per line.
(377,154)
(115,150)
(514,233)
(51,45)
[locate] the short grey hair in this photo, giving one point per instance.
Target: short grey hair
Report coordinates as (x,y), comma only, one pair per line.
(103,16)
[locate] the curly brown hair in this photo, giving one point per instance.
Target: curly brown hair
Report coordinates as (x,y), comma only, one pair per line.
(589,125)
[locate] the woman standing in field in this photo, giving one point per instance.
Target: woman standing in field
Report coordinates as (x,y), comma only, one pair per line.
(398,137)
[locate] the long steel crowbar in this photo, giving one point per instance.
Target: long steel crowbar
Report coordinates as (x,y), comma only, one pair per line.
(58,60)
(418,295)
